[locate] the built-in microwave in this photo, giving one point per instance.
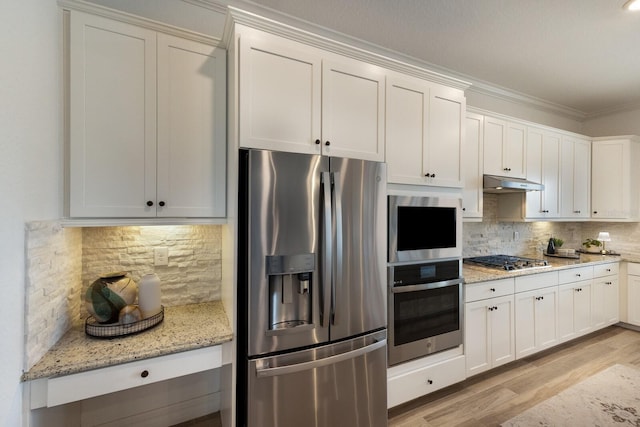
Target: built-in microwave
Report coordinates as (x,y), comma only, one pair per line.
(424,228)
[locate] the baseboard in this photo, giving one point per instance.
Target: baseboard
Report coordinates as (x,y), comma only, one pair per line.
(168,415)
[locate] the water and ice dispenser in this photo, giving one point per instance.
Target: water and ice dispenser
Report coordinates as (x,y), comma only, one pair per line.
(290,290)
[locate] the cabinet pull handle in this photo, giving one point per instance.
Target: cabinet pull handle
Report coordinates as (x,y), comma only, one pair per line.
(492,289)
(144,374)
(578,275)
(161,203)
(433,175)
(608,283)
(149,203)
(327,143)
(317,142)
(427,175)
(608,269)
(577,212)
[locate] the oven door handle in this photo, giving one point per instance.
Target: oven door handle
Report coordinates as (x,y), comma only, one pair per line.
(425,286)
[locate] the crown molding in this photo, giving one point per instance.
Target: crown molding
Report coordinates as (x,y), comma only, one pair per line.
(338,43)
(117,15)
(209,4)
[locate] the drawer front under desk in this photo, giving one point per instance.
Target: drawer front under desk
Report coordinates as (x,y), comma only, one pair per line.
(70,388)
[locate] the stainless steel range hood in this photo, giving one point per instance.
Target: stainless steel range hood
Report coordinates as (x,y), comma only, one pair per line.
(503,184)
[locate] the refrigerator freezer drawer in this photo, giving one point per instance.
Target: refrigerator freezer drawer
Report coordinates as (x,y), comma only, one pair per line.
(342,384)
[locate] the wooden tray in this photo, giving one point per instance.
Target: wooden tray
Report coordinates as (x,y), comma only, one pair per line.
(574,256)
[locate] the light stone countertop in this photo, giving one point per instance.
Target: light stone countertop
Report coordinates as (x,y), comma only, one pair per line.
(184,328)
(475,274)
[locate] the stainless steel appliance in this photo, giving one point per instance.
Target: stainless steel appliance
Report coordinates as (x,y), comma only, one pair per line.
(425,309)
(312,291)
(506,262)
(503,184)
(422,228)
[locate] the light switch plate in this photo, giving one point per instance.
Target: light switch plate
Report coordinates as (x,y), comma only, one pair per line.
(161,256)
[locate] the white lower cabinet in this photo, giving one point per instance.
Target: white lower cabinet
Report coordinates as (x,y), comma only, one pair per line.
(633,294)
(605,295)
(536,313)
(420,377)
(574,309)
(489,333)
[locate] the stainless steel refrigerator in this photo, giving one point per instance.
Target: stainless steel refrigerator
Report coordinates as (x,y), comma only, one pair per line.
(312,291)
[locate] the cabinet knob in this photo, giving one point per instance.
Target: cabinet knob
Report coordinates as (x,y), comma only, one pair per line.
(161,203)
(429,381)
(492,289)
(608,269)
(464,209)
(608,283)
(144,374)
(427,175)
(317,142)
(327,143)
(595,212)
(433,175)
(578,275)
(577,212)
(149,203)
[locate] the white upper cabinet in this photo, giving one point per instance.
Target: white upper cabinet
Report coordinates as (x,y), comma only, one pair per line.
(543,166)
(575,178)
(297,98)
(615,176)
(472,195)
(424,132)
(147,123)
(504,148)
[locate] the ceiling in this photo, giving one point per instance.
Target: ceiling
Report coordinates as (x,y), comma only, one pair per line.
(581,56)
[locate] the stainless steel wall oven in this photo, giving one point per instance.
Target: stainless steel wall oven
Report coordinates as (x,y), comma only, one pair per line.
(425,309)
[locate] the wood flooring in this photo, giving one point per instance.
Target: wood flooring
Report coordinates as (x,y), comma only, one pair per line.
(493,397)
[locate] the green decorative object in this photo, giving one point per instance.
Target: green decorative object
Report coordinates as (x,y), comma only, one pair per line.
(109,294)
(558,242)
(591,242)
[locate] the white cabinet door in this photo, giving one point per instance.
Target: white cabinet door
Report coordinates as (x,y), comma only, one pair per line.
(543,166)
(575,178)
(424,132)
(536,320)
(352,110)
(633,299)
(472,195)
(407,119)
(191,128)
(504,148)
(446,130)
(280,95)
(574,310)
(489,333)
(614,179)
(112,107)
(502,331)
(604,299)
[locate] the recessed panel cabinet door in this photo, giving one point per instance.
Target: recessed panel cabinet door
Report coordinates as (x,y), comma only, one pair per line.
(191,128)
(280,95)
(112,118)
(447,109)
(352,110)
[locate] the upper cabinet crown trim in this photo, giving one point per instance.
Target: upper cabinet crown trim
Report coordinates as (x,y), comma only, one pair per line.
(117,15)
(336,43)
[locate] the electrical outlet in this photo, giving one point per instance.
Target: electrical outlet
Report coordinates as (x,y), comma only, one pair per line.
(516,236)
(161,256)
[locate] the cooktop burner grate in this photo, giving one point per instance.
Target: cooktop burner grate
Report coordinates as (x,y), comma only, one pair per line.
(506,262)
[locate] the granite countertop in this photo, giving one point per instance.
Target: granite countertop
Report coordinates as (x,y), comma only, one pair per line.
(474,274)
(184,328)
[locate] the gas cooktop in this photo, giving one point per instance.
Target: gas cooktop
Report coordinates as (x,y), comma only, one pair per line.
(506,262)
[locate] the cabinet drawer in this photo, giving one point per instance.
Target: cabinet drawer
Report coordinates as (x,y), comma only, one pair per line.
(422,381)
(536,281)
(633,269)
(575,274)
(71,388)
(602,270)
(490,289)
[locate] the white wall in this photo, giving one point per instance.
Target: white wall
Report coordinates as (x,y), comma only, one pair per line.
(30,166)
(621,123)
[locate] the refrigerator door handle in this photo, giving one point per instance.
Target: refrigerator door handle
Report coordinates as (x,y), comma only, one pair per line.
(337,214)
(304,366)
(328,243)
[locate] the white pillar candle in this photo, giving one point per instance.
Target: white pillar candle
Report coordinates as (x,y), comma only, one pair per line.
(149,295)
